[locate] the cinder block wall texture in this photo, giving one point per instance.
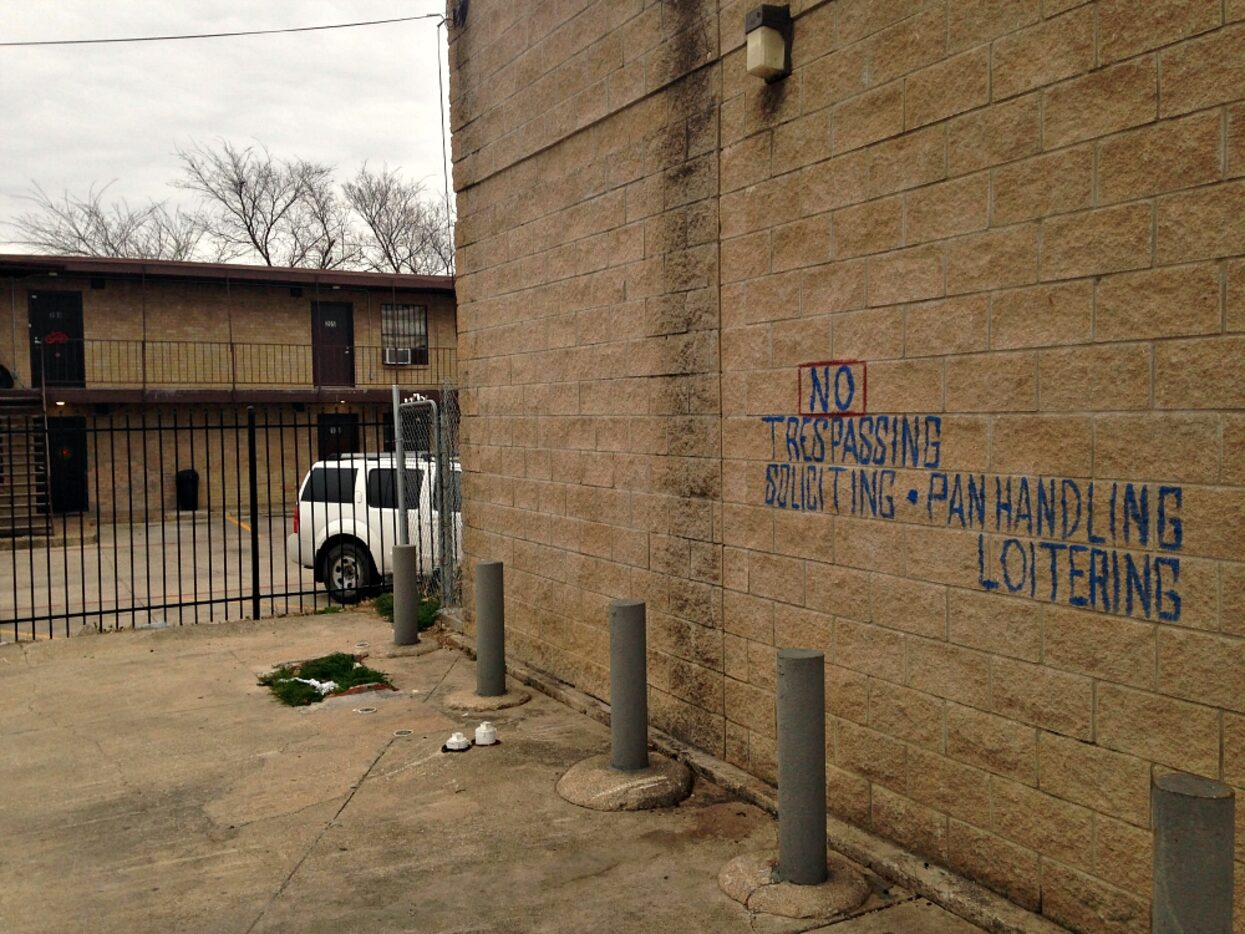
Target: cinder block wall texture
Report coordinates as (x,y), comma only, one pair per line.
(1020,540)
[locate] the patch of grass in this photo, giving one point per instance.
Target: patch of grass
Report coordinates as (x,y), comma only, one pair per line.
(295,693)
(428,607)
(384,606)
(343,669)
(328,610)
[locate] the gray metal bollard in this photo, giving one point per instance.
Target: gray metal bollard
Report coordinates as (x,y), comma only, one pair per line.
(490,630)
(628,686)
(405,595)
(1193,852)
(801,767)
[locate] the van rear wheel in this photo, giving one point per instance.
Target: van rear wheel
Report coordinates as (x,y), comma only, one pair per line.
(347,573)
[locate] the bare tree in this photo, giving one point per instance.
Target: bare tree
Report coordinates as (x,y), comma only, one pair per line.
(253,205)
(321,232)
(282,210)
(405,231)
(90,226)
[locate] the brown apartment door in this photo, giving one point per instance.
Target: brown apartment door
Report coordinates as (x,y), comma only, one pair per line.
(337,434)
(332,343)
(56,351)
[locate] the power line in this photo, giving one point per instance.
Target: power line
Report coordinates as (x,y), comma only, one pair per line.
(227,35)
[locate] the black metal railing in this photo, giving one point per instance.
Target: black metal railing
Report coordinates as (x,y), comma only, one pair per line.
(119,521)
(107,363)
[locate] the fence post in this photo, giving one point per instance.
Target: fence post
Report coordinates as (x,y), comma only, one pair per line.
(399,471)
(253,472)
(451,497)
(1193,852)
(801,766)
(405,555)
(437,493)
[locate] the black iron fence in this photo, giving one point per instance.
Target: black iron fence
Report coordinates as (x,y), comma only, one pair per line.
(160,517)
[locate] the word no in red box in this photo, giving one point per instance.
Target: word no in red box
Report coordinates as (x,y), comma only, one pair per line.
(833,388)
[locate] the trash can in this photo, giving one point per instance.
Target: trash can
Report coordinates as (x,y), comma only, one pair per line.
(187,483)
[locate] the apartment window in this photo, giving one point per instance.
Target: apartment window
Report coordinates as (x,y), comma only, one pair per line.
(404,334)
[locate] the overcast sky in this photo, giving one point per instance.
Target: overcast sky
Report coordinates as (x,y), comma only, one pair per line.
(71,116)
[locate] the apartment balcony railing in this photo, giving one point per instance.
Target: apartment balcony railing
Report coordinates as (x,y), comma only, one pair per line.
(165,365)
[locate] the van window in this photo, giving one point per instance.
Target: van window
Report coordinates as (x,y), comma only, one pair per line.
(381,493)
(330,485)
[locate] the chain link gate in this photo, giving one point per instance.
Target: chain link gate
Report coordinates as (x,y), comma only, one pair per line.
(429,496)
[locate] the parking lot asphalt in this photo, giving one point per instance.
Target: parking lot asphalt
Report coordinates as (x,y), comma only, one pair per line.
(151,785)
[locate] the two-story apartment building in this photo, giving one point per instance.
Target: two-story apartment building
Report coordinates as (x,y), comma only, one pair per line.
(131,344)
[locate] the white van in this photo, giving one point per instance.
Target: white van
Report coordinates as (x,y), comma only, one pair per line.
(346,523)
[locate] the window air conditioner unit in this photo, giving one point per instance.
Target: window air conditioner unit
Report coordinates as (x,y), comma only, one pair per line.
(395,356)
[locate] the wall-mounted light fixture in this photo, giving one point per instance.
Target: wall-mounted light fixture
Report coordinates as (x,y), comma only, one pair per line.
(768,29)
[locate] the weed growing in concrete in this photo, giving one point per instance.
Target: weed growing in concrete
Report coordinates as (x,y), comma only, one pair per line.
(428,607)
(344,670)
(384,606)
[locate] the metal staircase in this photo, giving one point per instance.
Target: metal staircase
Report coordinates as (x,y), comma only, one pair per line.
(23,471)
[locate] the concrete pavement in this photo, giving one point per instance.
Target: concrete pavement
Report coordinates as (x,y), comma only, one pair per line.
(149,784)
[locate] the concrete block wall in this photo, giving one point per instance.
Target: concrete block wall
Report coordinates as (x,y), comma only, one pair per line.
(1024,557)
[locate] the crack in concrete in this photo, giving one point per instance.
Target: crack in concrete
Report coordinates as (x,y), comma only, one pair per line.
(241,663)
(112,761)
(822,924)
(442,679)
(325,829)
(587,875)
(894,904)
(280,815)
(410,765)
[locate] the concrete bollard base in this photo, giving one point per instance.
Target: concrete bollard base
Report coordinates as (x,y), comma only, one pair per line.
(593,784)
(408,651)
(749,880)
(472,702)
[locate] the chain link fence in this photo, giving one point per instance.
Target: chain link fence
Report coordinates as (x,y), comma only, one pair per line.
(431,494)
